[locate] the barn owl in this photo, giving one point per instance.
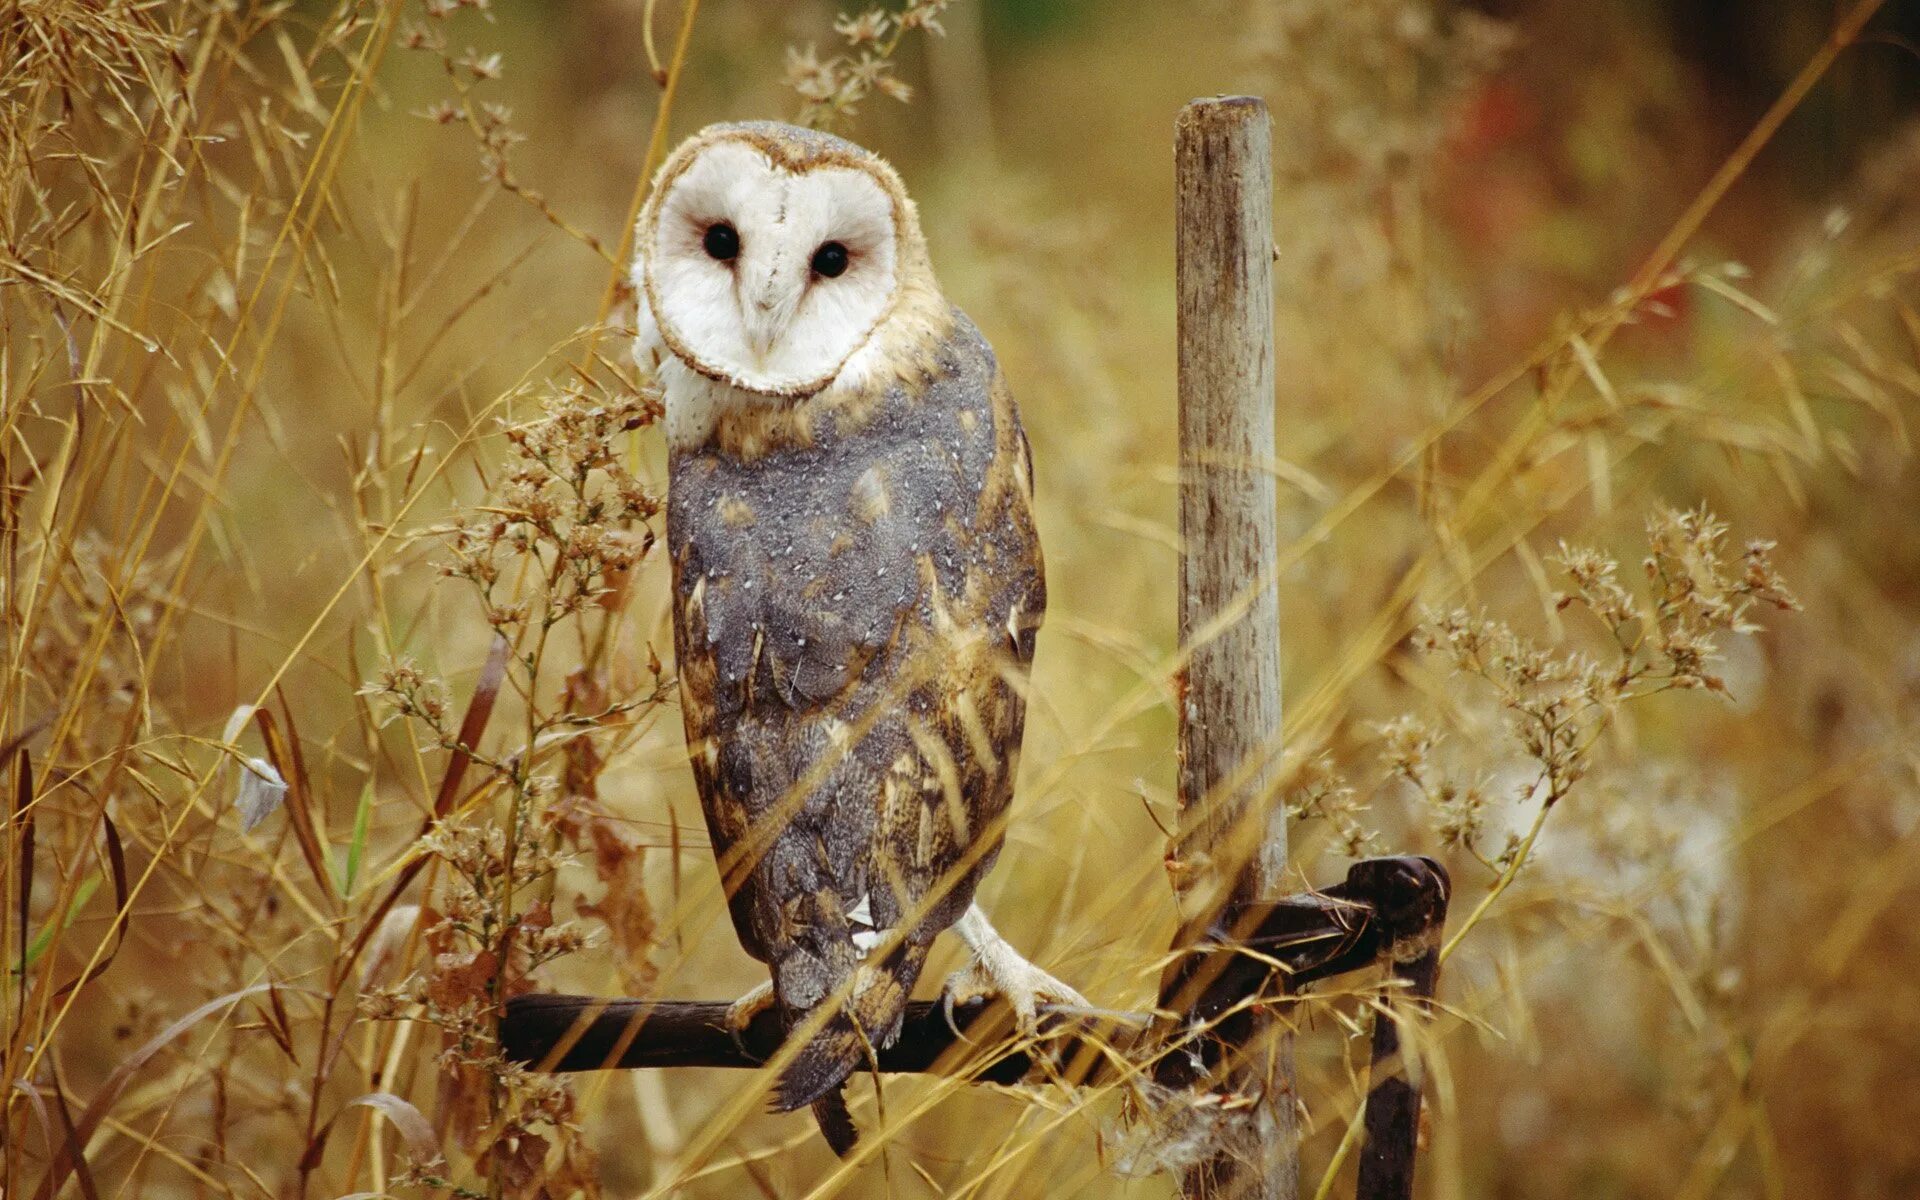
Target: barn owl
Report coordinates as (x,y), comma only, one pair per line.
(857,584)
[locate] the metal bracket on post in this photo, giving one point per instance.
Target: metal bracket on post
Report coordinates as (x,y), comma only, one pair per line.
(1388,910)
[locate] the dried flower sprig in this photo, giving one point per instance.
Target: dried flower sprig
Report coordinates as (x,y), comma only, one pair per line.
(555,543)
(834,87)
(1560,702)
(568,507)
(507,1118)
(1322,793)
(490,123)
(1458,811)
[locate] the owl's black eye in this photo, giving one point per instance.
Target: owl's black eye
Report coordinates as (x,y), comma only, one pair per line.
(722,242)
(830,260)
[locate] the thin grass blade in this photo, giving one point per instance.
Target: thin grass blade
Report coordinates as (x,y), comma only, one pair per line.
(23,817)
(116,1083)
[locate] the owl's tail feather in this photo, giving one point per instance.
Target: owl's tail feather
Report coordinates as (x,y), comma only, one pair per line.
(836,1123)
(817,1075)
(835,1053)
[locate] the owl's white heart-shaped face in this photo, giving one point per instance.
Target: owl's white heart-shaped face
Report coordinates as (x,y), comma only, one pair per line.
(766,275)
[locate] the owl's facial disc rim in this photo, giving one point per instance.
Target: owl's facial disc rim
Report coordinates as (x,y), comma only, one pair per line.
(826,180)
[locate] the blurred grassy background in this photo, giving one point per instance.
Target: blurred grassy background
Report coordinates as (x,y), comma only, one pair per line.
(262,310)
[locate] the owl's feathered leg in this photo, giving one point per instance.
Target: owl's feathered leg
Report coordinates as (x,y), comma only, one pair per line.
(998,970)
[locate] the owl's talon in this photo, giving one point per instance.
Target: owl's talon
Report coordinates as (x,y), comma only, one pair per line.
(741,1012)
(998,970)
(946,1010)
(1012,978)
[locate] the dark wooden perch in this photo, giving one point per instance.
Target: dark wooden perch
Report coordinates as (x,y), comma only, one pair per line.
(591,1034)
(1387,910)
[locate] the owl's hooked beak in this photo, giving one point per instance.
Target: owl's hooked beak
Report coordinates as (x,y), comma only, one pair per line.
(768,297)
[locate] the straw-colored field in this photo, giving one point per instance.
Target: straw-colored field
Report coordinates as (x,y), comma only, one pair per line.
(321,447)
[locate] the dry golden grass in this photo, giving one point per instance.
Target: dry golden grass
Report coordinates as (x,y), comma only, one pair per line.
(304,307)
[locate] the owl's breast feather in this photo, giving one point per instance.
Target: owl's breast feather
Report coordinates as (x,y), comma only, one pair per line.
(811,562)
(803,584)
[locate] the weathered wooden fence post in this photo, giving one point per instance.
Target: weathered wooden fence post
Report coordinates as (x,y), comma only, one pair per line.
(1232,842)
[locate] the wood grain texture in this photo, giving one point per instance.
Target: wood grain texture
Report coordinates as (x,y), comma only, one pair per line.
(1232,841)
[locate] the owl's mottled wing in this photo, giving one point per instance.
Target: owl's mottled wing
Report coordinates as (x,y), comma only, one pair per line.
(855,614)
